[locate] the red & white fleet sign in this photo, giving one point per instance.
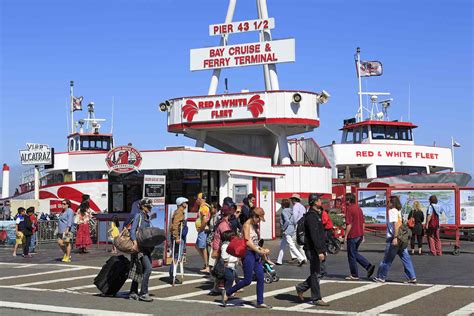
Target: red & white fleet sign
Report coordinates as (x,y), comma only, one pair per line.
(249,54)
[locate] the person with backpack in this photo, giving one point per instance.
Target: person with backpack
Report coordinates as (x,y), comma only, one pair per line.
(397,242)
(288,228)
(252,261)
(415,223)
(310,230)
(432,226)
(355,226)
(299,210)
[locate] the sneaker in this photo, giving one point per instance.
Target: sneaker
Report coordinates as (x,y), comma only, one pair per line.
(145,298)
(133,296)
(320,303)
(27,256)
(177,281)
(370,271)
(278,263)
(410,281)
(264,306)
(300,295)
(379,280)
(351,278)
(66,259)
(301,263)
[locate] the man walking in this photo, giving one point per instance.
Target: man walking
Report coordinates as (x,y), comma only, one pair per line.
(432,226)
(288,228)
(355,225)
(315,247)
(178,223)
(298,211)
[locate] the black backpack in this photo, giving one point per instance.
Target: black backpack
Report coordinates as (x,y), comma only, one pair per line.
(300,231)
(404,236)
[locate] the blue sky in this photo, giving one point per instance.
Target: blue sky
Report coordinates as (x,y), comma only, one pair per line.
(138,53)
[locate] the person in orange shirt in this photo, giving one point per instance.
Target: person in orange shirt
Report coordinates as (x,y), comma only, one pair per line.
(202,228)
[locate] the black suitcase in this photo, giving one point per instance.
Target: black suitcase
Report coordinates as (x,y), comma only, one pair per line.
(113,275)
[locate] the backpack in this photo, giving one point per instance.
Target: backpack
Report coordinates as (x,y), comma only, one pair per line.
(218,270)
(404,236)
(300,231)
(237,247)
(434,221)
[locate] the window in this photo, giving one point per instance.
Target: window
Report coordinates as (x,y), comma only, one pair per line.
(378,132)
(365,132)
(92,175)
(348,136)
(357,135)
(405,133)
(240,192)
(389,171)
(391,132)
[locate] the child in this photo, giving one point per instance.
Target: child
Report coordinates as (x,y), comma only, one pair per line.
(20,239)
(229,260)
(114,232)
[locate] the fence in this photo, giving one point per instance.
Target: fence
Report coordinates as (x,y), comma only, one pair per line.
(47,231)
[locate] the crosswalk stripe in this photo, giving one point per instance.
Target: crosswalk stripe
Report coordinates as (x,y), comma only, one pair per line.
(64,310)
(90,286)
(56,280)
(341,295)
(466,310)
(27,265)
(41,273)
(268,294)
(186,295)
(164,286)
(405,300)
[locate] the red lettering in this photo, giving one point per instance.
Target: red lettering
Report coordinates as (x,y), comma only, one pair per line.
(358,154)
(215,29)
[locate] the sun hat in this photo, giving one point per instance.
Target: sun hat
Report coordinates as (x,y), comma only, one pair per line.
(296,196)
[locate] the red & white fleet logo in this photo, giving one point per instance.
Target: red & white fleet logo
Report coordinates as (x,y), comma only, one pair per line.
(123,159)
(223,108)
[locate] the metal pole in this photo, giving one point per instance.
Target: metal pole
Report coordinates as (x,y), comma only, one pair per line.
(266,71)
(268,37)
(37,182)
(71,108)
(452,150)
(217,72)
(361,115)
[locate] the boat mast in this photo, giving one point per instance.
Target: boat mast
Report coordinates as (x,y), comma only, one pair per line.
(359,116)
(72,105)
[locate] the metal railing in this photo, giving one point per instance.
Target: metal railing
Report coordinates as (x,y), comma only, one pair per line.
(47,231)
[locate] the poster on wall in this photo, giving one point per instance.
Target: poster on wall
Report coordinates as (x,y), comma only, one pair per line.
(7,233)
(374,206)
(466,198)
(446,202)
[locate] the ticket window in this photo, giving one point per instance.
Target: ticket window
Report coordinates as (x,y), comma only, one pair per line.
(123,191)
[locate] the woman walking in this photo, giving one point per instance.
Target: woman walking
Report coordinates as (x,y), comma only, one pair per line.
(83,238)
(417,229)
(65,222)
(252,261)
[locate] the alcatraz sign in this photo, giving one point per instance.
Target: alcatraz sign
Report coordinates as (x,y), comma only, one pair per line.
(250,54)
(36,154)
(223,108)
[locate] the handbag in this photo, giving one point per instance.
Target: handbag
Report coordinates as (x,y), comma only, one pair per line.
(411,221)
(150,237)
(434,221)
(237,247)
(123,242)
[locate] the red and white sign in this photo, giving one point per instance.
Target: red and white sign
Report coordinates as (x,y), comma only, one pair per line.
(123,159)
(223,108)
(249,54)
(242,26)
(397,154)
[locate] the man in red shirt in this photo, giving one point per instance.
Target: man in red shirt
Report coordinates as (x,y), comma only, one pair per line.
(355,225)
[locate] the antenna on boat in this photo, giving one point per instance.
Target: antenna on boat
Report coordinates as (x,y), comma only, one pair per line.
(360,115)
(112,120)
(409,101)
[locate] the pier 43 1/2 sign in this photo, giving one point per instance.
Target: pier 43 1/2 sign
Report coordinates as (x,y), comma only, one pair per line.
(36,154)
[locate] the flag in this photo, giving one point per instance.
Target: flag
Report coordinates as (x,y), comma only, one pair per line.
(456,144)
(77,103)
(370,68)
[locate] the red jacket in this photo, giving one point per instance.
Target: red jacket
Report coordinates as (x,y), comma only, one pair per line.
(327,222)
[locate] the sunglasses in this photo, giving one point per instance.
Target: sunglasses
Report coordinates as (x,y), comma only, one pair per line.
(64,203)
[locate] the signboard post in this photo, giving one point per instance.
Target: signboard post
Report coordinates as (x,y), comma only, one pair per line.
(36,154)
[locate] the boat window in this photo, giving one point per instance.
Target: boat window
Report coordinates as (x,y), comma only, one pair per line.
(365,132)
(349,136)
(378,132)
(85,144)
(391,132)
(405,133)
(90,175)
(357,135)
(389,171)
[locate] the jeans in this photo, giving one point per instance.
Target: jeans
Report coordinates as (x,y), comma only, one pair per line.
(26,245)
(390,252)
(312,281)
(252,263)
(229,277)
(295,253)
(33,242)
(434,242)
(354,257)
(146,263)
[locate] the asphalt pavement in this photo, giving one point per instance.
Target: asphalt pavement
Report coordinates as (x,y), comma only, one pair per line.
(48,287)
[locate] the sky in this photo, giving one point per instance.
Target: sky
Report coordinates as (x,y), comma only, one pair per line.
(137,54)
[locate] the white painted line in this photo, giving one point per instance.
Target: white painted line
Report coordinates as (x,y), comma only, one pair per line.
(27,265)
(164,286)
(90,286)
(40,273)
(57,280)
(404,300)
(64,310)
(341,295)
(466,310)
(313,311)
(271,293)
(186,295)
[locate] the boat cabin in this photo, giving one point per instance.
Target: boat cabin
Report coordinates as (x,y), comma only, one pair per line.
(392,132)
(90,141)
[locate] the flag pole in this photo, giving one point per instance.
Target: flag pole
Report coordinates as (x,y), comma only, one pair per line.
(452,151)
(72,105)
(360,85)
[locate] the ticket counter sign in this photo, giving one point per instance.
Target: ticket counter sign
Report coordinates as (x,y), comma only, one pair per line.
(36,154)
(249,54)
(154,187)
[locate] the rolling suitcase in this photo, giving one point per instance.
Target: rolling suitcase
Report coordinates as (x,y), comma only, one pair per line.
(113,275)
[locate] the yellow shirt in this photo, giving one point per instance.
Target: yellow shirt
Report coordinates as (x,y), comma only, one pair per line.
(204,213)
(114,231)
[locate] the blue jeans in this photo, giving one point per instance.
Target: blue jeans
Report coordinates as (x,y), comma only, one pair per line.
(146,263)
(354,257)
(390,252)
(33,242)
(252,263)
(229,277)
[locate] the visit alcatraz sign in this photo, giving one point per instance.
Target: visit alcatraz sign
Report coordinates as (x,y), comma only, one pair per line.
(36,154)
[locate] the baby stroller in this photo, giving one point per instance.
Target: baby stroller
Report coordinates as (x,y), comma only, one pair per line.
(270,273)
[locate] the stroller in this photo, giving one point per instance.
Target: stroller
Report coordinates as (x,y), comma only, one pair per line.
(270,274)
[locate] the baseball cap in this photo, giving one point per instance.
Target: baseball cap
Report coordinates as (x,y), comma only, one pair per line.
(226,210)
(260,213)
(146,202)
(201,196)
(181,200)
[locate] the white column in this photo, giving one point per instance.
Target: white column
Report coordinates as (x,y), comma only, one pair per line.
(283,147)
(201,139)
(6,181)
(276,153)
(452,153)
(217,72)
(37,182)
(268,37)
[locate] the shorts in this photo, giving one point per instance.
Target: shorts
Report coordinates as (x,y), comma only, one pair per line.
(20,238)
(201,241)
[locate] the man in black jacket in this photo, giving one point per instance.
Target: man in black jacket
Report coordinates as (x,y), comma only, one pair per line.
(315,248)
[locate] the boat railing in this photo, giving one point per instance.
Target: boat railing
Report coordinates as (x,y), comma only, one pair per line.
(306,151)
